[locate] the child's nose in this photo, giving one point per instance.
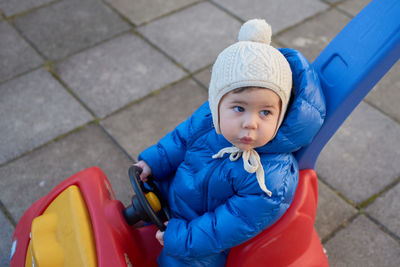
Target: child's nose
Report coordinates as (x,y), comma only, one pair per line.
(250,122)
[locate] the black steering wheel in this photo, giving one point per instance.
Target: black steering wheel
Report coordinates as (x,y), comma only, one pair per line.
(141,208)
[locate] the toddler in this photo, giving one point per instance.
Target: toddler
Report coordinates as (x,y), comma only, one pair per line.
(228,170)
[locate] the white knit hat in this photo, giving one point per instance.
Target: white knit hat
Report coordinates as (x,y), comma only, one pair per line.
(250,62)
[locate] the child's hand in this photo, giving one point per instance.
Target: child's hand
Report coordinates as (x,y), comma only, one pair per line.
(160,236)
(146,170)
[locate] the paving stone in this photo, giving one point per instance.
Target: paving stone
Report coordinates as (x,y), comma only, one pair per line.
(332,1)
(35,109)
(141,11)
(353,6)
(312,36)
(386,94)
(66,27)
(143,124)
(332,211)
(362,243)
(204,77)
(189,38)
(386,209)
(25,180)
(16,56)
(124,69)
(279,14)
(6,232)
(360,160)
(11,8)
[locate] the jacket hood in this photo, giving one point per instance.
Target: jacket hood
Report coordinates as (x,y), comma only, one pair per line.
(306,111)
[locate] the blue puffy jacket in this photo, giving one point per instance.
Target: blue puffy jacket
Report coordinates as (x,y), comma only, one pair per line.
(215,204)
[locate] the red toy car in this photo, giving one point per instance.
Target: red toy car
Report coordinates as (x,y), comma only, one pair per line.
(80,223)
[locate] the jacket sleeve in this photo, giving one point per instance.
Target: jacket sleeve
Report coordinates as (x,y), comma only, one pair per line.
(240,218)
(164,157)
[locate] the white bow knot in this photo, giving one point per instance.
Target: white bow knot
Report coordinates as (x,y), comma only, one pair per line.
(251,163)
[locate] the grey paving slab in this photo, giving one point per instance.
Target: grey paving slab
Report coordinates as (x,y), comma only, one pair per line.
(11,8)
(353,6)
(27,179)
(279,14)
(6,232)
(386,94)
(143,124)
(386,210)
(362,243)
(332,1)
(141,11)
(204,76)
(124,69)
(35,109)
(332,211)
(66,27)
(312,36)
(362,157)
(189,38)
(16,56)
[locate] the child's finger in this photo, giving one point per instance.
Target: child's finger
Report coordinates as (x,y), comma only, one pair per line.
(143,178)
(160,237)
(145,170)
(145,173)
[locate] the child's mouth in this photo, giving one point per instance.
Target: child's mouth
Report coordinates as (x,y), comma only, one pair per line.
(246,140)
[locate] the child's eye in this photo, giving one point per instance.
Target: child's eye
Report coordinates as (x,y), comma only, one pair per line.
(238,108)
(265,112)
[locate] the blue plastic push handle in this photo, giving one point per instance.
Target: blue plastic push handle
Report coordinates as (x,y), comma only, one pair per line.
(351,65)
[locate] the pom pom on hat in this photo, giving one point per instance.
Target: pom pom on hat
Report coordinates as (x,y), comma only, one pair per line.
(256,30)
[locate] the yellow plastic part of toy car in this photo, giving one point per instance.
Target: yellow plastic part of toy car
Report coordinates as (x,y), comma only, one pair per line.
(63,235)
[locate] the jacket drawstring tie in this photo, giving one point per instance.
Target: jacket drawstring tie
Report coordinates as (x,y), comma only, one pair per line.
(251,163)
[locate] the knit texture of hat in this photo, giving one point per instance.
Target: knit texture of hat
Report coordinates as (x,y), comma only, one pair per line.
(250,62)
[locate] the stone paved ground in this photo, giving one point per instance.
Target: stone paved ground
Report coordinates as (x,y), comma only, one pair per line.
(93,82)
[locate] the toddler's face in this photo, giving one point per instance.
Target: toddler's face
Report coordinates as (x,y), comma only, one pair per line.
(248,119)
